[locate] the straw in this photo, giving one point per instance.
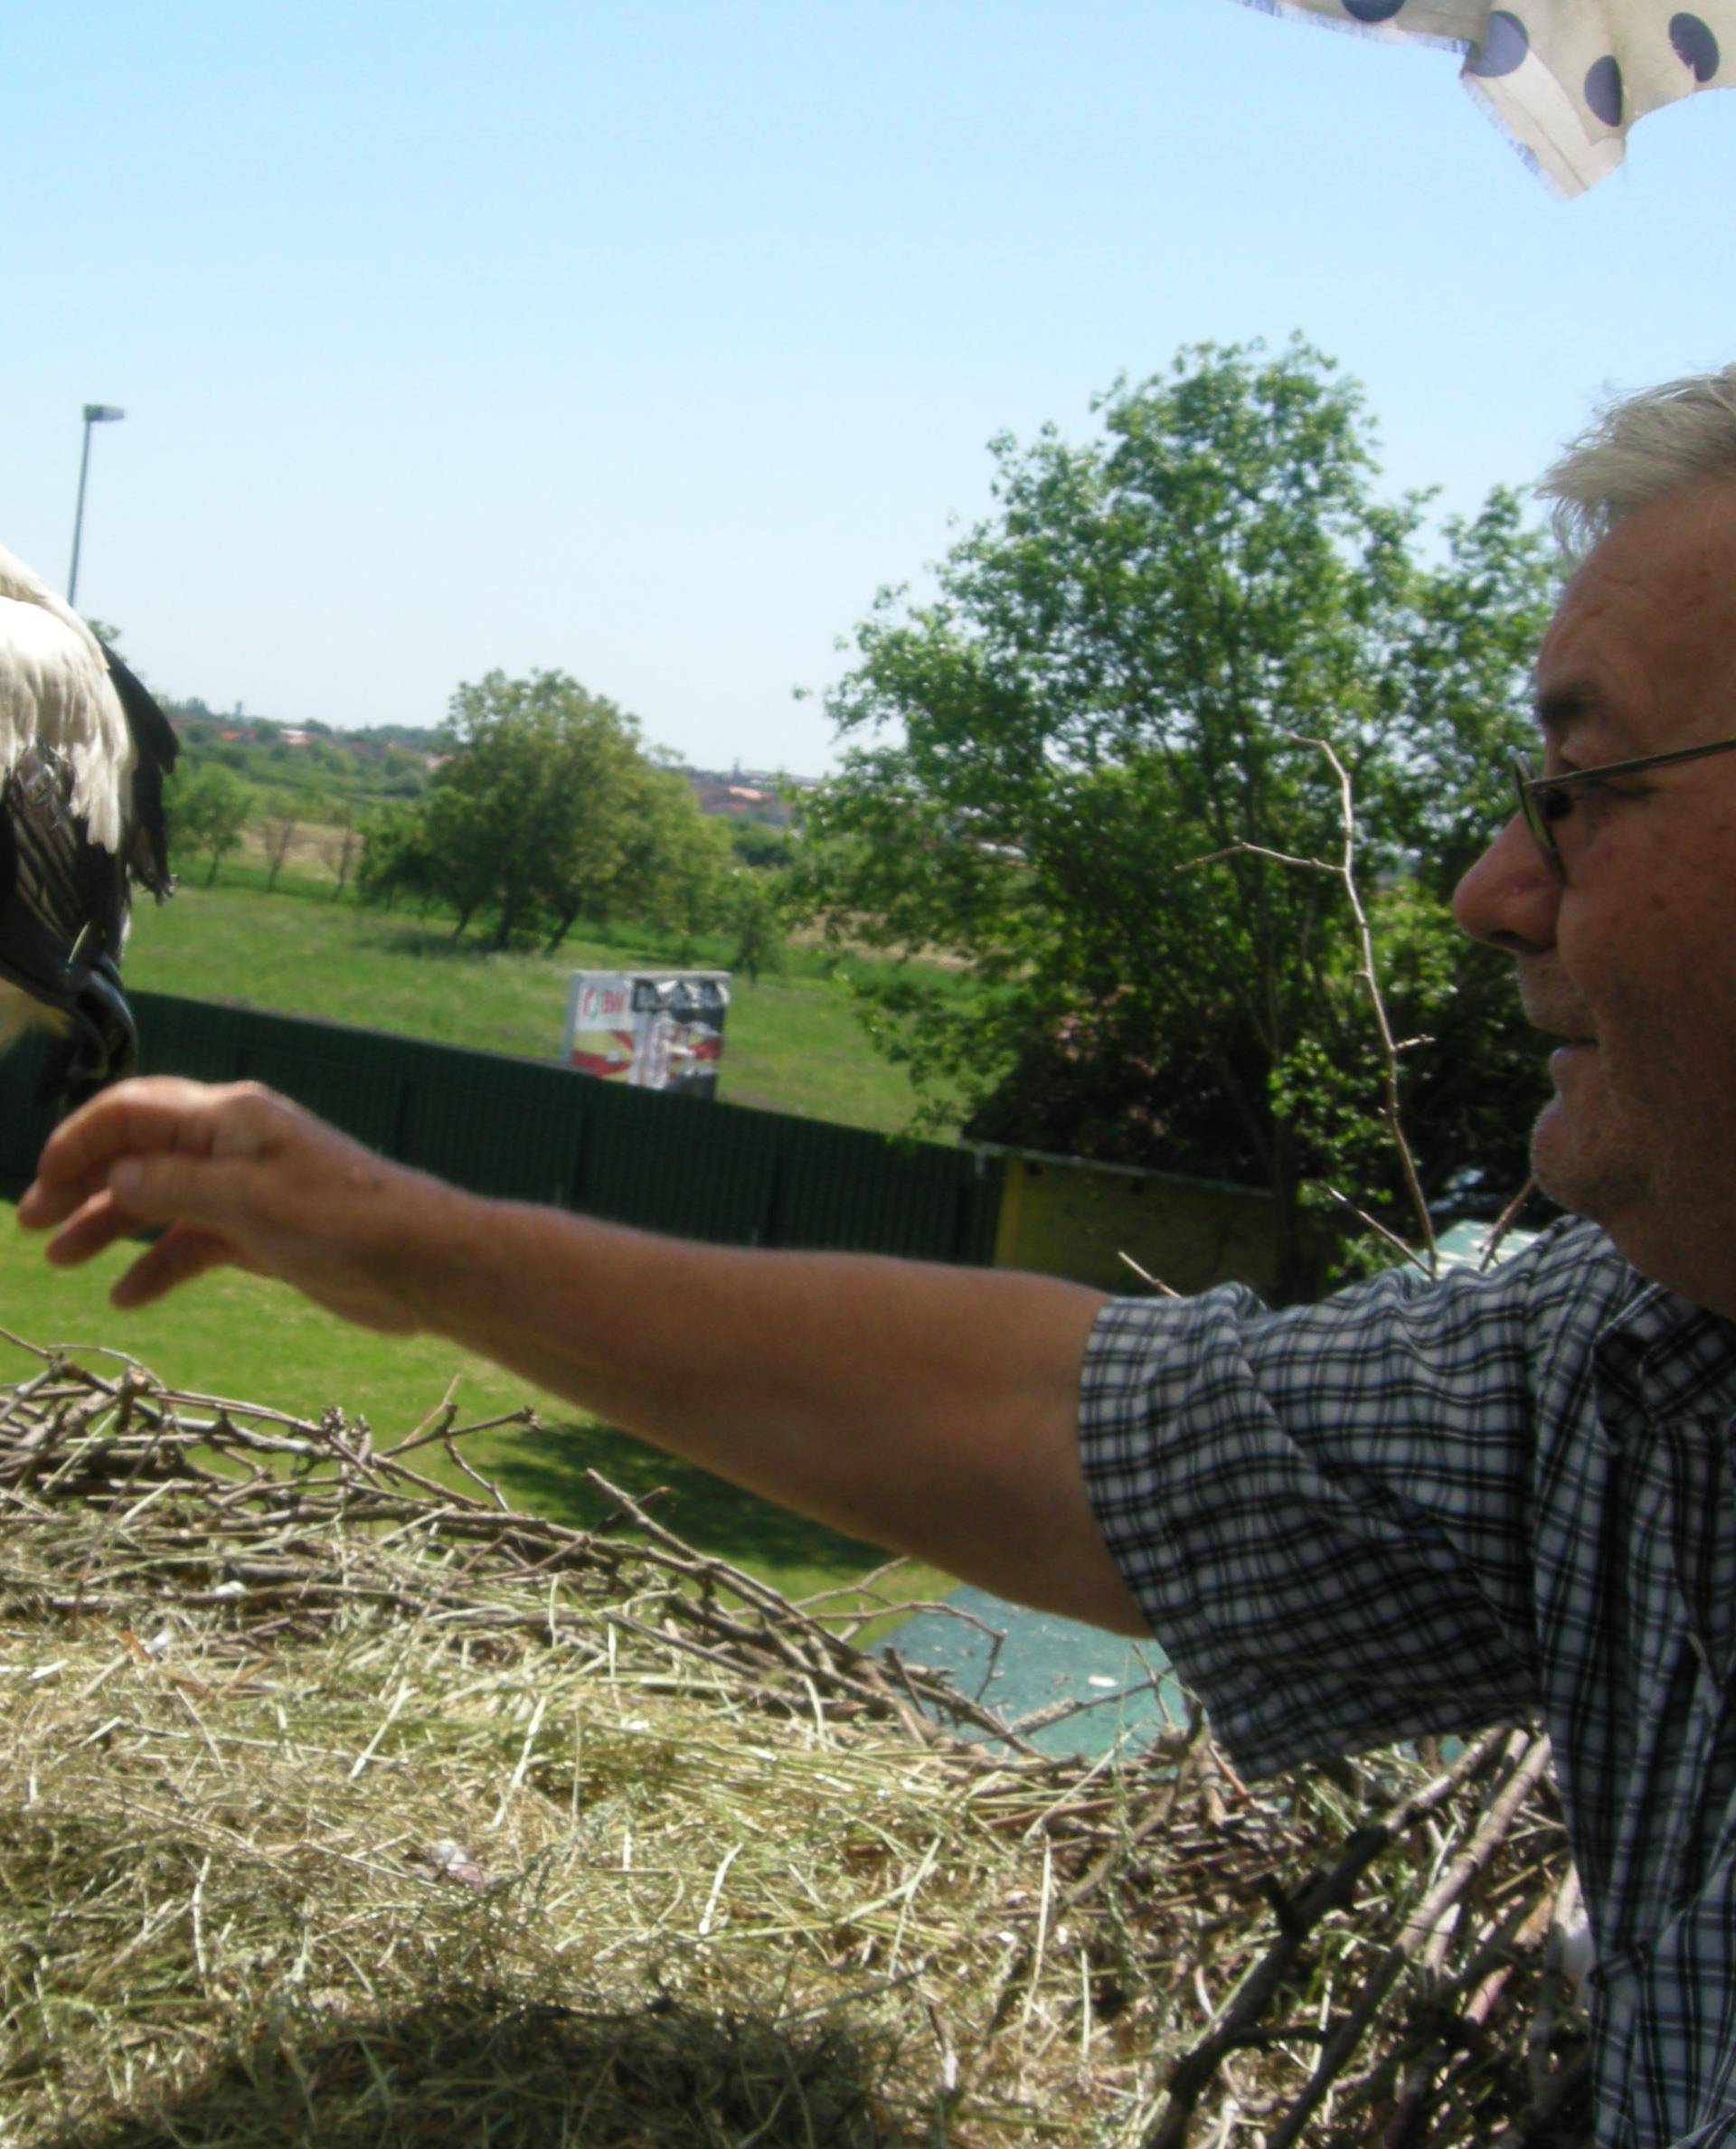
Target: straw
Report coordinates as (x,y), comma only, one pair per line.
(341,1806)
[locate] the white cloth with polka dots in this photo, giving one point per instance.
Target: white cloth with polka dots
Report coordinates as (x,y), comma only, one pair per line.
(1566,78)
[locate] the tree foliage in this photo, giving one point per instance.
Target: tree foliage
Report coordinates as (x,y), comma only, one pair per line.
(675,874)
(549,809)
(396,858)
(753,910)
(207,812)
(1071,765)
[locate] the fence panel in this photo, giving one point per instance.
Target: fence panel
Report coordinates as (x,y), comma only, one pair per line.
(27,1114)
(529,1130)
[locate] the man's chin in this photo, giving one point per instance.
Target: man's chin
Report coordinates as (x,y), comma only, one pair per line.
(1573,1169)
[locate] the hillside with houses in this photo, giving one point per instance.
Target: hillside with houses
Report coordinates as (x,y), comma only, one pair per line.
(384,762)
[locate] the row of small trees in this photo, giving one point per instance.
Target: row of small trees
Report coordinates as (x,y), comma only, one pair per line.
(210,810)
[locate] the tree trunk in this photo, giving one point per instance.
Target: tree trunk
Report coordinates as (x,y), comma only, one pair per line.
(563,928)
(503,933)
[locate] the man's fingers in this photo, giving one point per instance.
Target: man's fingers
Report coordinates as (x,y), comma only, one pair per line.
(158,1134)
(41,1206)
(159,1114)
(233,1176)
(104,1219)
(207,1192)
(182,1252)
(97,1224)
(176,1258)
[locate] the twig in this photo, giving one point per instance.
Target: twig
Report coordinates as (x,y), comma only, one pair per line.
(1504,1223)
(1531,1760)
(1144,1275)
(1374,1224)
(1327,1892)
(1390,1111)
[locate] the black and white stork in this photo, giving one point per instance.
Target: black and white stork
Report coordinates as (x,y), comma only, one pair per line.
(84,753)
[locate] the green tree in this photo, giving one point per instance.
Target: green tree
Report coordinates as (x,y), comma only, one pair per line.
(340,844)
(675,863)
(207,812)
(758,844)
(1080,764)
(525,821)
(396,858)
(753,908)
(280,821)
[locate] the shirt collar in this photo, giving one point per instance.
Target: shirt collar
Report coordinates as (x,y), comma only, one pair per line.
(1665,1357)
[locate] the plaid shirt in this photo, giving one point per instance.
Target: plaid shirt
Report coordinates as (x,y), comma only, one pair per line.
(1417,1507)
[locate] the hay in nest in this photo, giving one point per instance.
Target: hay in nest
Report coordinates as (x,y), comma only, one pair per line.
(339,1806)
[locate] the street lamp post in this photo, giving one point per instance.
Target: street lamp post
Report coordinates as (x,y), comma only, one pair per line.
(94,414)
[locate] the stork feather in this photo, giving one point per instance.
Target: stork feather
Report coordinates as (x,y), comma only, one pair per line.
(84,753)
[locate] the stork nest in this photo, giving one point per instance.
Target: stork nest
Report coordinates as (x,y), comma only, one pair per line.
(341,1806)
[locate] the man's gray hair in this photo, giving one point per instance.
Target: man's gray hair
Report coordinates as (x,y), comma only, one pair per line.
(1649,447)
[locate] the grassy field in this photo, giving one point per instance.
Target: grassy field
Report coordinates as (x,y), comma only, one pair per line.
(234,1335)
(793,1043)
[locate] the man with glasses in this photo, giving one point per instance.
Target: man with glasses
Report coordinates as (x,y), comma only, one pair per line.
(1411,1508)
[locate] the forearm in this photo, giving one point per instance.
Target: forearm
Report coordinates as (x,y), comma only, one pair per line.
(925,1408)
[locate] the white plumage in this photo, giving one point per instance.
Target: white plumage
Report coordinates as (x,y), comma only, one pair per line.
(83,752)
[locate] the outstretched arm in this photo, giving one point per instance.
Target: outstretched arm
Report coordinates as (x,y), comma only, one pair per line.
(926,1409)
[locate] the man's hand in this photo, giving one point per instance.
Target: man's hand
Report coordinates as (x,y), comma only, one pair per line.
(234,1176)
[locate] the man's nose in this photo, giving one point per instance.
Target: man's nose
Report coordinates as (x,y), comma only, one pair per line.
(1510,897)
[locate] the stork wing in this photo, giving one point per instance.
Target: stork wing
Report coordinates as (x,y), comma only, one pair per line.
(62,898)
(56,691)
(84,753)
(154,747)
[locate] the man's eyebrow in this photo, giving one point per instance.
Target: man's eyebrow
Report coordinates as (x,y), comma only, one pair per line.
(1561,709)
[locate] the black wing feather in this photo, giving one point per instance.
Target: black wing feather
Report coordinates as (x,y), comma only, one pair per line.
(146,845)
(64,899)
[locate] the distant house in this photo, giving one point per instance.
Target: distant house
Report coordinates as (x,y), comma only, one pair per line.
(745,795)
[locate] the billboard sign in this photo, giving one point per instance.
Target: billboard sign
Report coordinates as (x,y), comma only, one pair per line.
(651,1029)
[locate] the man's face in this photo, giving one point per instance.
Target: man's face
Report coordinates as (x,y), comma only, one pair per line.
(1631,961)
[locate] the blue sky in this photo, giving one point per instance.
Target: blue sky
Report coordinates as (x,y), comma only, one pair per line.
(648,342)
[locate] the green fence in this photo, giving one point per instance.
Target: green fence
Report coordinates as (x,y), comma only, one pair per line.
(532,1130)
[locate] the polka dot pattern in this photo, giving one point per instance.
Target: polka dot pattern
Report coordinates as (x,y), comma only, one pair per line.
(1505,44)
(1693,44)
(1568,81)
(1603,90)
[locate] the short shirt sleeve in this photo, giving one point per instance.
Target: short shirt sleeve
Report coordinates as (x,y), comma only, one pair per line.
(1324,1513)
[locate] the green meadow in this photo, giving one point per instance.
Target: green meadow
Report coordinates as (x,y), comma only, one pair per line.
(792,1043)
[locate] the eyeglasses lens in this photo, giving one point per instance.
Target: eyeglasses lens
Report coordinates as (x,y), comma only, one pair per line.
(1534,811)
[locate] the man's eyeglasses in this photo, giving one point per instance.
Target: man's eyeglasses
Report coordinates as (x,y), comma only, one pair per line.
(1545,799)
